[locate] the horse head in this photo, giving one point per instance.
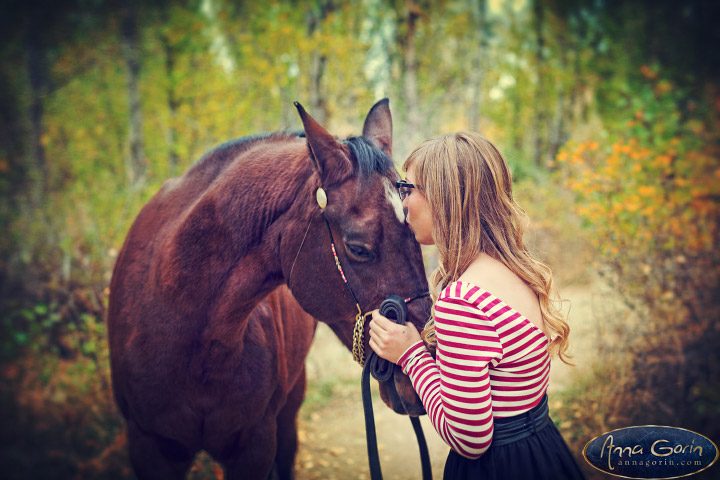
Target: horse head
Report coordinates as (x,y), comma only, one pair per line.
(353,204)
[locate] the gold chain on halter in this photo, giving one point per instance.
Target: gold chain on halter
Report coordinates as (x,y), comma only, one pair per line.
(358,349)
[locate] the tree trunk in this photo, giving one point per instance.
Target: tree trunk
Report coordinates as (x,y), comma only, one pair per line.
(558,132)
(540,116)
(131,50)
(380,30)
(478,9)
(413,120)
(516,124)
(318,103)
(172,104)
(38,76)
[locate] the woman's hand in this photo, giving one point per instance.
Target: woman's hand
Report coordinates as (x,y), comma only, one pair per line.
(390,340)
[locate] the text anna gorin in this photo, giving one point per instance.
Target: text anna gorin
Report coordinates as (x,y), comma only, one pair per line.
(651,451)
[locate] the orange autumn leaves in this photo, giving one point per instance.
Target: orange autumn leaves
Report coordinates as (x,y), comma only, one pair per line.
(634,196)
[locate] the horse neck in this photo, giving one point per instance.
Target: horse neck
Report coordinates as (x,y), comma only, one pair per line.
(224,220)
(267,194)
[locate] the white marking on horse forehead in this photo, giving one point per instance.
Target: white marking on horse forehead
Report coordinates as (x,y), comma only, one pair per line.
(394,199)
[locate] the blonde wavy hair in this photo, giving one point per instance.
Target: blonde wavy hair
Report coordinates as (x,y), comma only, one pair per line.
(468,187)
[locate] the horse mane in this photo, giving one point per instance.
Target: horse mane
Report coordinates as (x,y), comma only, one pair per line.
(243,143)
(368,157)
(213,162)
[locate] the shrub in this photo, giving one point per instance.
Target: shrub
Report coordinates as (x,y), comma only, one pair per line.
(648,195)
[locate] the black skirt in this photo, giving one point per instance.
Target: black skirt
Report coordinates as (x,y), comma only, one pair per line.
(538,453)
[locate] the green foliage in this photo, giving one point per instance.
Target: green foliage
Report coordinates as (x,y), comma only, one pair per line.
(649,201)
(632,86)
(649,198)
(55,394)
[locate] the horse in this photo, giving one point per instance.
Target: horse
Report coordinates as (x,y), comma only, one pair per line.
(214,295)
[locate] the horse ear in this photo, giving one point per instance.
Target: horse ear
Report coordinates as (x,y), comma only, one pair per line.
(378,126)
(331,158)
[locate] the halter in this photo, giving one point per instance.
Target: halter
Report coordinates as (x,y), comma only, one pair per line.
(358,349)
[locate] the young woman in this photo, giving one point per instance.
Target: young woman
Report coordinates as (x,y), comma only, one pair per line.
(494,326)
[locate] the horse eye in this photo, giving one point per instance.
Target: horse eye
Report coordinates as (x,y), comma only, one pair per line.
(359,252)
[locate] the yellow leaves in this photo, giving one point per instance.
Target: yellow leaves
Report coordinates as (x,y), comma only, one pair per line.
(646,190)
(676,227)
(185,109)
(639,153)
(573,153)
(648,72)
(650,210)
(204,466)
(697,192)
(576,160)
(577,186)
(583,211)
(697,127)
(633,204)
(593,212)
(662,161)
(286,30)
(613,161)
(663,87)
(632,195)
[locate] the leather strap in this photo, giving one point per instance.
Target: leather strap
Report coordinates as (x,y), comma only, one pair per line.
(394,308)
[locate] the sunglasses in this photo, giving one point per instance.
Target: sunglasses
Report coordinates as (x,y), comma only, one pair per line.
(404,188)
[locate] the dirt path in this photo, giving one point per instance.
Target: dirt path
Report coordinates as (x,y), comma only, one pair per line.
(331,427)
(332,436)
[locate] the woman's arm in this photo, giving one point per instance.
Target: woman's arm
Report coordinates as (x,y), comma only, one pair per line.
(455,388)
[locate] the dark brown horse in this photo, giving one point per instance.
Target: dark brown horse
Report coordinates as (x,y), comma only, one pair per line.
(207,325)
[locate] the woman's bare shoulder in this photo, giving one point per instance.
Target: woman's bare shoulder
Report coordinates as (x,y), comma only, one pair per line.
(493,276)
(486,271)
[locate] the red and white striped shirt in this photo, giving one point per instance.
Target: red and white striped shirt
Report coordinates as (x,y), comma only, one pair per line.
(490,362)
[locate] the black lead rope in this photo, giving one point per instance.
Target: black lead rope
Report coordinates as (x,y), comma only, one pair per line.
(394,308)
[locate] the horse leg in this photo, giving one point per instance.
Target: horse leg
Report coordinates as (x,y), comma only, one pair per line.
(287,429)
(252,459)
(156,457)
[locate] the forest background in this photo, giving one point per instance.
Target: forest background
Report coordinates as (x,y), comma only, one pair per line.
(607,111)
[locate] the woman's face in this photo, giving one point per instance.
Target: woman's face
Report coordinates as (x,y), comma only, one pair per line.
(418,215)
